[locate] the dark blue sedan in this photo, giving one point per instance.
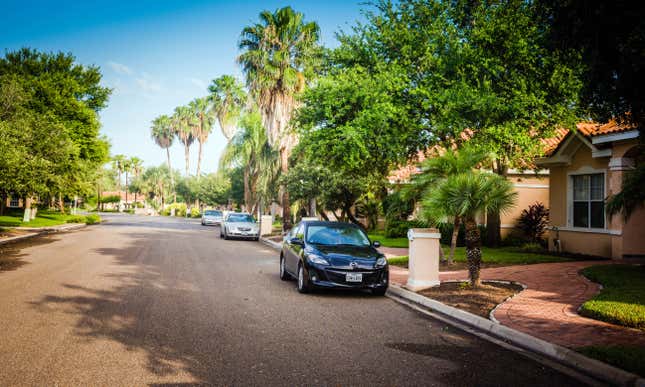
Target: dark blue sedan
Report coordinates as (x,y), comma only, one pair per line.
(332,255)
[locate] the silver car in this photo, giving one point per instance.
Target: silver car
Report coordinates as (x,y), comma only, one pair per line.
(212,217)
(240,225)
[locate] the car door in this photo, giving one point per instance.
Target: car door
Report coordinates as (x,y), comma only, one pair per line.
(291,258)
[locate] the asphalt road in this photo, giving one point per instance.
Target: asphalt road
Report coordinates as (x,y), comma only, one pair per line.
(149,301)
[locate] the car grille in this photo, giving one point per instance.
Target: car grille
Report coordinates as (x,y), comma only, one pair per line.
(369,277)
(244,229)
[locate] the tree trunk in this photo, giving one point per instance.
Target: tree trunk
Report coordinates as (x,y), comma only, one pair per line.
(61,204)
(473,251)
(453,239)
(187,157)
(126,188)
(323,214)
(27,215)
(312,207)
(352,218)
(98,197)
(247,189)
(172,178)
(199,159)
(286,203)
(3,203)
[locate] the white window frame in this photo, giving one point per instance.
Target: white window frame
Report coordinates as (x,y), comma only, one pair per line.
(586,170)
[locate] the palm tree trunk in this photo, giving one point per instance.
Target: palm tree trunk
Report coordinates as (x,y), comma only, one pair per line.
(286,203)
(247,189)
(453,240)
(187,156)
(199,159)
(172,178)
(473,251)
(126,188)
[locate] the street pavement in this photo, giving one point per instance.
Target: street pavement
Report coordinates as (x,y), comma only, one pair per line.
(154,301)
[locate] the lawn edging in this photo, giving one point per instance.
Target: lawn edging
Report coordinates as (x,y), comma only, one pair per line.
(271,243)
(594,368)
(41,230)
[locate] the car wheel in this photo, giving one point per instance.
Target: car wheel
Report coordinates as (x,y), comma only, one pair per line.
(379,291)
(283,272)
(225,235)
(303,281)
(256,239)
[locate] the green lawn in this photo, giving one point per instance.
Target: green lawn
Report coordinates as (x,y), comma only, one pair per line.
(388,242)
(628,357)
(43,219)
(622,298)
(496,256)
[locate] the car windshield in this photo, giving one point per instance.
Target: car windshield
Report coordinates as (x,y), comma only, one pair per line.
(336,235)
(213,213)
(240,218)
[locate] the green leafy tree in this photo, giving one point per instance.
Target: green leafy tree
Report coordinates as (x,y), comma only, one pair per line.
(228,97)
(278,57)
(464,195)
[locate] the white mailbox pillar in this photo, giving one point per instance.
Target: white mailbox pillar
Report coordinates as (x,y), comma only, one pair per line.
(423,261)
(266,225)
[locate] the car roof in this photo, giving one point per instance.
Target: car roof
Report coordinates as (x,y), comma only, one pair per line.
(327,223)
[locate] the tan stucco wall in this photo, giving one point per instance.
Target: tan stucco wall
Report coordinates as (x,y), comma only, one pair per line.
(634,234)
(586,243)
(530,188)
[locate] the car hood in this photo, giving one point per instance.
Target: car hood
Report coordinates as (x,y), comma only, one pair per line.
(343,256)
(242,224)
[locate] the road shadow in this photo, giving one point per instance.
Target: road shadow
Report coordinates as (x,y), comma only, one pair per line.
(11,254)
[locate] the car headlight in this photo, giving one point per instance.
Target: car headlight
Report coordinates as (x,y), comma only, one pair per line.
(313,258)
(381,262)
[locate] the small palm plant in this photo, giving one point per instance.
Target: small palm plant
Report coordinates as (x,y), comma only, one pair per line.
(465,195)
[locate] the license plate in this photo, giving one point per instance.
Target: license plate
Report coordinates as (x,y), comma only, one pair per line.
(354,277)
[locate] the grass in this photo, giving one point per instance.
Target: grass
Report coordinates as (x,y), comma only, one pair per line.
(505,256)
(622,299)
(44,218)
(628,357)
(388,242)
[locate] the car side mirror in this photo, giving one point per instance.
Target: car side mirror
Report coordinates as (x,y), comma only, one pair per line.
(376,244)
(297,242)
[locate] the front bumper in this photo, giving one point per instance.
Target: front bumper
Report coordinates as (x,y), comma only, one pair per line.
(325,277)
(211,221)
(242,235)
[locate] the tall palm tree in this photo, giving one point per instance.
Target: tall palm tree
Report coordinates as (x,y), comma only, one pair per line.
(250,149)
(465,195)
(164,135)
(127,168)
(228,98)
(201,107)
(438,167)
(118,162)
(184,122)
(137,168)
(278,56)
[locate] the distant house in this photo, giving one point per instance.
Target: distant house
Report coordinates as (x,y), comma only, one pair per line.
(586,166)
(13,201)
(531,187)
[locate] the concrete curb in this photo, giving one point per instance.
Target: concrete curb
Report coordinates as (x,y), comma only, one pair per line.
(594,368)
(271,243)
(42,230)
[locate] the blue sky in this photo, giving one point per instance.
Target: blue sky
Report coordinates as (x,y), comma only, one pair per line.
(155,54)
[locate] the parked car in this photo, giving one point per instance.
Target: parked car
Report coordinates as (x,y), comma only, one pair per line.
(212,217)
(332,255)
(240,225)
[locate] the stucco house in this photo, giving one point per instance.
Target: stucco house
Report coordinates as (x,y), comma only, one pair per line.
(585,167)
(531,187)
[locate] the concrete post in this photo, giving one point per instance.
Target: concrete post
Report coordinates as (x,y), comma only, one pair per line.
(423,261)
(266,225)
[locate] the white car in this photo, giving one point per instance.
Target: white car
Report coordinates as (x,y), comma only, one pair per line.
(240,225)
(212,217)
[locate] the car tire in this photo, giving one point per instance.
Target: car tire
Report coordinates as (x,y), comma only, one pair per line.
(283,272)
(256,239)
(303,281)
(379,292)
(225,235)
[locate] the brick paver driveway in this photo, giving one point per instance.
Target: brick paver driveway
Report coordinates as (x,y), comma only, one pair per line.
(548,307)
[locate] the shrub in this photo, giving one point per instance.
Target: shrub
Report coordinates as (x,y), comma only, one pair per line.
(180,209)
(194,212)
(533,221)
(76,219)
(399,228)
(111,199)
(92,219)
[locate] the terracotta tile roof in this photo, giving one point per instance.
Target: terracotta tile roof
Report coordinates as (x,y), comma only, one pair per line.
(587,129)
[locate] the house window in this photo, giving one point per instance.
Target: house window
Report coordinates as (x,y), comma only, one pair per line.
(588,200)
(14,202)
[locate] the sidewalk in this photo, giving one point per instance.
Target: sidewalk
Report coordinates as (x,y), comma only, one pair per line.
(547,309)
(35,231)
